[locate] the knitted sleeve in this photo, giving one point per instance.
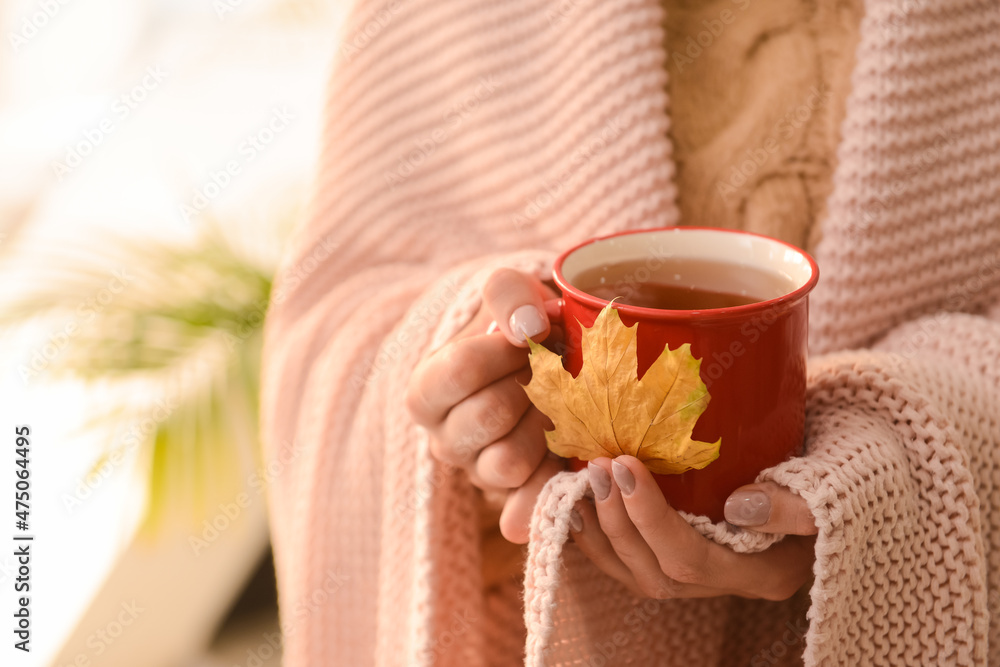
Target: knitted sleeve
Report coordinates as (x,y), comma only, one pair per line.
(900,471)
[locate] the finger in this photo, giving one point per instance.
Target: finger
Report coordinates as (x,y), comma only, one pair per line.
(515,521)
(595,545)
(623,536)
(494,496)
(458,370)
(652,577)
(778,572)
(687,557)
(510,461)
(517,302)
(486,416)
(769,508)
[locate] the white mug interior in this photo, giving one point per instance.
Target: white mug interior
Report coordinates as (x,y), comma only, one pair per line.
(656,248)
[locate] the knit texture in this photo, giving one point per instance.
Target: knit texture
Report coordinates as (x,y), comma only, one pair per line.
(462,137)
(915,208)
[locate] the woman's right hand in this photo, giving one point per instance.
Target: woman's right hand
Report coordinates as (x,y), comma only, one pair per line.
(468,395)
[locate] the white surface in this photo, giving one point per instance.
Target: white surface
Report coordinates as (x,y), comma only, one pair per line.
(218,79)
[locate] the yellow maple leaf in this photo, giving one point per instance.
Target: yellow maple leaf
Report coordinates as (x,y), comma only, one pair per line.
(607,410)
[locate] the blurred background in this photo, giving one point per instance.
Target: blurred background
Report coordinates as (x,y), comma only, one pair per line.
(154,158)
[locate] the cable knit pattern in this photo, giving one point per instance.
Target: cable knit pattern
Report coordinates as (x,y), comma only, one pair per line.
(462,137)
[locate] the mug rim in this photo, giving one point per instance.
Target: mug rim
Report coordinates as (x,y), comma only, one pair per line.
(730,312)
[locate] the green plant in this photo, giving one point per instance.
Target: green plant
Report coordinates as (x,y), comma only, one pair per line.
(174,325)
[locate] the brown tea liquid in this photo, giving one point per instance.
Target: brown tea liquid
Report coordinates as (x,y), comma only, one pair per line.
(682,283)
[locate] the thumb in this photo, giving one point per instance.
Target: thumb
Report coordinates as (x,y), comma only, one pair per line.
(517,303)
(770,508)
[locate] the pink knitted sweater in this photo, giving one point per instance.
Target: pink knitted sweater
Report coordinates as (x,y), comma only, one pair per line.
(466,136)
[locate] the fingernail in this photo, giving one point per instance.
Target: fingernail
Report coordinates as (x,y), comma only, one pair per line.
(624,478)
(575,521)
(748,508)
(600,482)
(526,322)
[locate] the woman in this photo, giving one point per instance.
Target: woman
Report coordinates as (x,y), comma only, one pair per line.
(465,144)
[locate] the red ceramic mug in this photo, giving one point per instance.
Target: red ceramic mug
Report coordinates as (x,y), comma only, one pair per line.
(753,356)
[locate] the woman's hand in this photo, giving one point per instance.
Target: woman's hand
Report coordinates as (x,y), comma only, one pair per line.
(637,538)
(468,396)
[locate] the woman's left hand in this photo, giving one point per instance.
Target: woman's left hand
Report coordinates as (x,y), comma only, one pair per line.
(637,538)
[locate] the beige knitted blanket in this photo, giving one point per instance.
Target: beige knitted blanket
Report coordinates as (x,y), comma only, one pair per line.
(462,137)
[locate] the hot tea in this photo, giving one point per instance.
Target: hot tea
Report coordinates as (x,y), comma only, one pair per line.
(682,283)
(752,356)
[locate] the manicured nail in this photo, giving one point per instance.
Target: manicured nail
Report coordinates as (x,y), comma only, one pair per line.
(748,508)
(575,521)
(526,322)
(623,477)
(600,481)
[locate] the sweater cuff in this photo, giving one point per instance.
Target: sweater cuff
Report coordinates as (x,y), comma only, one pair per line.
(889,484)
